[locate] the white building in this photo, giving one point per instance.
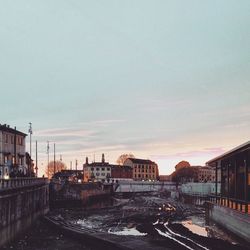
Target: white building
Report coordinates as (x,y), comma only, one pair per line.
(97,171)
(12,151)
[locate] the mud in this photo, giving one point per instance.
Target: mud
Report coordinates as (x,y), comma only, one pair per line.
(155,219)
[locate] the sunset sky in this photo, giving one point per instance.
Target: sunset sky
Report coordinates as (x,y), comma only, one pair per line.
(165,80)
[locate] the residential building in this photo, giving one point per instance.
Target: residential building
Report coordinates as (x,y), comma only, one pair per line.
(206,174)
(12,152)
(143,169)
(97,171)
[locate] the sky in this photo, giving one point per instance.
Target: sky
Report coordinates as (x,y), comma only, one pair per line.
(166,80)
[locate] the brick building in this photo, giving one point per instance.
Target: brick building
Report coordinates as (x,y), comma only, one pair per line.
(121,172)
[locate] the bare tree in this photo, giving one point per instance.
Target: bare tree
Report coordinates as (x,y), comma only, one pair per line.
(52,169)
(122,158)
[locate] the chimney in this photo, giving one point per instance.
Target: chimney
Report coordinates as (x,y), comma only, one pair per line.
(103,158)
(87,160)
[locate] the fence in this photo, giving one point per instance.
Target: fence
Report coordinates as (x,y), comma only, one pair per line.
(20,182)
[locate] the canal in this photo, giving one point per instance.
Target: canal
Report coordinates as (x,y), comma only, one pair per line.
(138,222)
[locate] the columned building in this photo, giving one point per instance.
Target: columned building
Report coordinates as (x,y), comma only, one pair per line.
(143,169)
(12,152)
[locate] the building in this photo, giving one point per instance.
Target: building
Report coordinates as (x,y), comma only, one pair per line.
(12,152)
(231,208)
(165,177)
(143,169)
(121,172)
(206,174)
(97,171)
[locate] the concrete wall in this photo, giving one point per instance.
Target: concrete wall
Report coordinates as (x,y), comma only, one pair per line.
(234,221)
(144,186)
(20,207)
(196,188)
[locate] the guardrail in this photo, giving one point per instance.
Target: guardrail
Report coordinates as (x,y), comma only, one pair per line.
(235,204)
(20,182)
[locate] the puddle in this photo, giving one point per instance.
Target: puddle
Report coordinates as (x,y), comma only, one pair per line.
(127,231)
(196,229)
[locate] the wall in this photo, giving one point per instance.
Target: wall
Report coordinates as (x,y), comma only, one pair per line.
(196,188)
(21,203)
(70,194)
(143,186)
(234,221)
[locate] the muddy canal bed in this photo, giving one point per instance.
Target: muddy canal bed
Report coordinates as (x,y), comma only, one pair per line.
(157,219)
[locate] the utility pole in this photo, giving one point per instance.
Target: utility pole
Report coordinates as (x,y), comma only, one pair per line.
(54,158)
(36,161)
(48,156)
(30,132)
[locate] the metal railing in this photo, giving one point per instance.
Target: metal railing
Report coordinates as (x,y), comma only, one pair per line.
(20,182)
(235,204)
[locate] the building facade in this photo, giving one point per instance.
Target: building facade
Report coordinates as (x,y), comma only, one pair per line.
(143,169)
(206,174)
(12,152)
(97,171)
(121,172)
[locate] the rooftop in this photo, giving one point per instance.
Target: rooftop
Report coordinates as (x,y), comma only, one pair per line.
(7,128)
(237,149)
(141,161)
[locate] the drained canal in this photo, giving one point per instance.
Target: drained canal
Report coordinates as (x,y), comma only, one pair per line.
(143,222)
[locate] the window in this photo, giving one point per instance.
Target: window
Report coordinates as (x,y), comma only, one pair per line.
(92,169)
(103,174)
(103,169)
(6,138)
(108,169)
(97,174)
(12,139)
(97,169)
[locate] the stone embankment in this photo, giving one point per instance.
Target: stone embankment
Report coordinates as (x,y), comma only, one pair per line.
(71,194)
(22,201)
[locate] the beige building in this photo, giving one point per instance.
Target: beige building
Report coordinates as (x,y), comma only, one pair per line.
(12,151)
(206,174)
(143,169)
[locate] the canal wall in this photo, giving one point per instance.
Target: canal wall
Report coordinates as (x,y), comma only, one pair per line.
(234,221)
(71,194)
(22,201)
